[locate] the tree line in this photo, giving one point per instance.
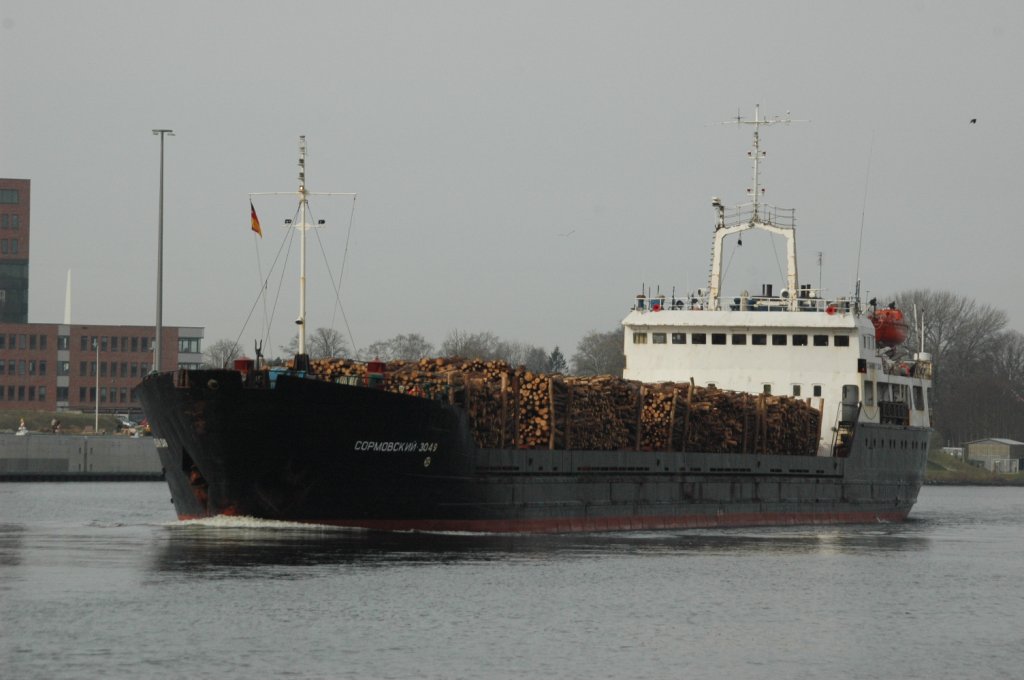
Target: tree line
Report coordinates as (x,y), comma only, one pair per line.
(596,354)
(978,376)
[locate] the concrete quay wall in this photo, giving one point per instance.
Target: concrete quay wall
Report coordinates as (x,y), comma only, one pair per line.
(68,457)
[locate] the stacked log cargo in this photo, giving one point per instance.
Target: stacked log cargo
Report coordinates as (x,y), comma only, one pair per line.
(511,407)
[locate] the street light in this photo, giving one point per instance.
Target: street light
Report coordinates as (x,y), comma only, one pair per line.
(160,256)
(96,345)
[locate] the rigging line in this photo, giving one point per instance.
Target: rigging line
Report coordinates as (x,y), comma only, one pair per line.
(341,274)
(775,251)
(238,338)
(725,274)
(261,294)
(337,293)
(344,256)
(280,283)
(864,207)
(263,285)
(337,288)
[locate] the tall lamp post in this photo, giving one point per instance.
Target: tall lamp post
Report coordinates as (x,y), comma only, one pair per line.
(96,346)
(160,256)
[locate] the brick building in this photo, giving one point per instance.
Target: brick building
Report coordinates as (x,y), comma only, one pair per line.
(70,367)
(14,239)
(58,367)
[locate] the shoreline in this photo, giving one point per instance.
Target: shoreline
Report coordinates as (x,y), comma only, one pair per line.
(973,482)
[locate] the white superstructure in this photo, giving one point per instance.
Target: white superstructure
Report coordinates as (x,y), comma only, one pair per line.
(796,343)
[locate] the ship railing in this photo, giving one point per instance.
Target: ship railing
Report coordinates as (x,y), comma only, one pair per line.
(808,301)
(747,213)
(658,303)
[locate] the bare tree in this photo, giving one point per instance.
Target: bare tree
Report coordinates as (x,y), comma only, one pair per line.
(975,364)
(408,346)
(1009,358)
(958,331)
(323,343)
(599,354)
(536,359)
(292,348)
(470,345)
(487,345)
(520,354)
(327,343)
(221,354)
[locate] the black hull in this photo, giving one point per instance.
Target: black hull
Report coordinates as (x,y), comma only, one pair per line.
(319,452)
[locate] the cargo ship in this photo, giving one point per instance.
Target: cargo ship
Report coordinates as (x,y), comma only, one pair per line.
(751,410)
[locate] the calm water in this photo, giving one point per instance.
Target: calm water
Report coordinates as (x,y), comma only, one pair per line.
(96,580)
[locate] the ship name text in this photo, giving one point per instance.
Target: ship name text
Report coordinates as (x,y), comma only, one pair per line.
(396,447)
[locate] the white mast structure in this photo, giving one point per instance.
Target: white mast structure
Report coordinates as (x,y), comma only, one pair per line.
(67,302)
(303,226)
(755,216)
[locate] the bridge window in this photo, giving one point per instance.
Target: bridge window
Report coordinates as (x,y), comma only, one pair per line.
(799,339)
(869,393)
(718,338)
(679,338)
(766,388)
(841,341)
(817,390)
(758,339)
(883,392)
(796,390)
(918,398)
(778,338)
(699,338)
(639,338)
(658,338)
(821,341)
(739,338)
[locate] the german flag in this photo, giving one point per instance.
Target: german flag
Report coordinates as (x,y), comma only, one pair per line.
(255,220)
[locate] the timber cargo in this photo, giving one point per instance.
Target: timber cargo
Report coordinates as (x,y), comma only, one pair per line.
(519,408)
(746,410)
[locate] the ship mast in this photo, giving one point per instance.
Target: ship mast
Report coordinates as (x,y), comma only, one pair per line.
(756,154)
(755,216)
(304,224)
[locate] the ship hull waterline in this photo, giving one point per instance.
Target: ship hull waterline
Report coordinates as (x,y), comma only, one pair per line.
(316,452)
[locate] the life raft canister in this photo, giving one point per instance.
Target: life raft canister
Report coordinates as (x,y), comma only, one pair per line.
(890,327)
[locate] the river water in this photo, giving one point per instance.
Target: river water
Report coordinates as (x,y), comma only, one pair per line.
(98,580)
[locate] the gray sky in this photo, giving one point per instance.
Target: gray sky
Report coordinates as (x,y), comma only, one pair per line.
(477,133)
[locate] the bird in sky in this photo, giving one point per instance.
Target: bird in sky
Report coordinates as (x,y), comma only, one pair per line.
(568,233)
(973,121)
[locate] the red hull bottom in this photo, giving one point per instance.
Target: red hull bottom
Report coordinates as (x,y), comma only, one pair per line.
(572,525)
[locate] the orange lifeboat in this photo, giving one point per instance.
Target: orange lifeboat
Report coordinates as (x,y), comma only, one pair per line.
(890,327)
